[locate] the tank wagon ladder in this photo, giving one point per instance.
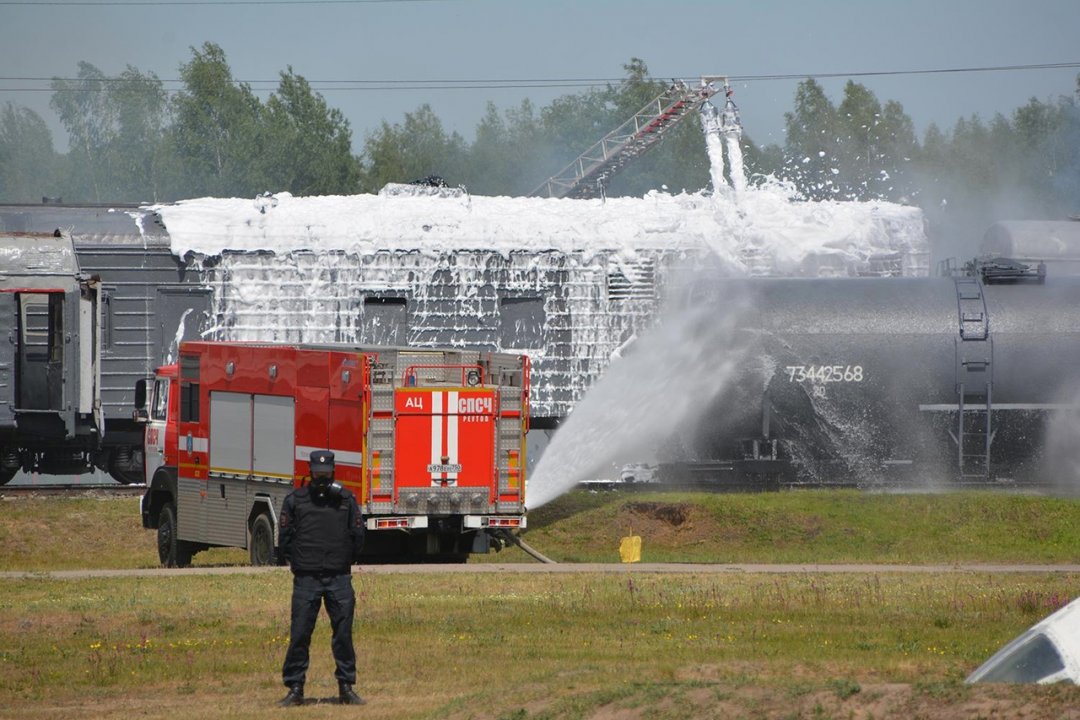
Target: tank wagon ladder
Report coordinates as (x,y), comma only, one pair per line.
(974,382)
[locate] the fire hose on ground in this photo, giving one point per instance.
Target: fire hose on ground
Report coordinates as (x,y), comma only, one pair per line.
(512,539)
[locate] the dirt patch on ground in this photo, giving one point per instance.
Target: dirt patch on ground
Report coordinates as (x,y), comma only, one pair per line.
(674,514)
(666,525)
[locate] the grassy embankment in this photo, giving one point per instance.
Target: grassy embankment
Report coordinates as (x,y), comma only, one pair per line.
(629,645)
(791,527)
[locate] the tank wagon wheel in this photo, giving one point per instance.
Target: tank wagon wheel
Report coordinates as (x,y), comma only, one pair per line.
(262,541)
(171,552)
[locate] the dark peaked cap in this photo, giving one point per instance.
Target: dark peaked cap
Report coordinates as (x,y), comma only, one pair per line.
(322,460)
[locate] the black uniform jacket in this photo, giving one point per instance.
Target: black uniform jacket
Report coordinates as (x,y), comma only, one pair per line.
(320,534)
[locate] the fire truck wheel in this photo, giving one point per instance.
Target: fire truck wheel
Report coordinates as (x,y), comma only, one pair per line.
(262,541)
(171,552)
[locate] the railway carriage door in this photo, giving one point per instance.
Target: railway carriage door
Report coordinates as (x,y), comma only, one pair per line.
(181,314)
(40,352)
(8,328)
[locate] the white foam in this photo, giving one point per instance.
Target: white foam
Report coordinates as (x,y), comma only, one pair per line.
(764,221)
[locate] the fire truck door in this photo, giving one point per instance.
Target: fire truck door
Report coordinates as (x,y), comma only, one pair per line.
(273,438)
(445,439)
(154,447)
(230,468)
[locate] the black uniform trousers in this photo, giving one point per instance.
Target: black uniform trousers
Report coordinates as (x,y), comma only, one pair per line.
(309,593)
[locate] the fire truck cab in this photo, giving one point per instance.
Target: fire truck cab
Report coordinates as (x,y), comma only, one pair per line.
(431,443)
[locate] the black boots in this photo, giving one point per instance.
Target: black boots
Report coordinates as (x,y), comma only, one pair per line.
(294,698)
(346,696)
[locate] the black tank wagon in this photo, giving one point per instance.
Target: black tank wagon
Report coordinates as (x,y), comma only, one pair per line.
(856,381)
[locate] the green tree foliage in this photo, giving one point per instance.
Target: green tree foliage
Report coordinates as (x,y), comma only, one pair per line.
(412,150)
(307,146)
(88,117)
(226,142)
(861,147)
(506,147)
(1026,166)
(138,157)
(813,131)
(115,134)
(899,147)
(28,162)
(491,163)
(858,150)
(218,134)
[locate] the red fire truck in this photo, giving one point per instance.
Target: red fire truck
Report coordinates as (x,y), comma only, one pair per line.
(431,442)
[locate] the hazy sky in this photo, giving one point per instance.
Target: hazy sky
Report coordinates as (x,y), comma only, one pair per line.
(478,42)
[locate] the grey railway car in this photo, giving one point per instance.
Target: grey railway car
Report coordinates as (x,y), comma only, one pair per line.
(50,415)
(150,300)
(858,381)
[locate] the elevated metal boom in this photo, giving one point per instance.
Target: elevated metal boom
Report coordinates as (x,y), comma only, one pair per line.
(588,174)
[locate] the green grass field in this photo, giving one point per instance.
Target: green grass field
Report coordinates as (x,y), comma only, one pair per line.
(515,646)
(45,533)
(813,526)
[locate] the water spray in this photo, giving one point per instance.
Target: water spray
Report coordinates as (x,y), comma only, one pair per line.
(722,128)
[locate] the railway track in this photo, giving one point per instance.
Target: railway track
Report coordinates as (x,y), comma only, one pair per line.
(71,490)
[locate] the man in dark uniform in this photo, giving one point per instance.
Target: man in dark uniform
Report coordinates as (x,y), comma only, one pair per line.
(321,533)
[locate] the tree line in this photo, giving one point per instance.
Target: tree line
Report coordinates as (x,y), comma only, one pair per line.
(130,142)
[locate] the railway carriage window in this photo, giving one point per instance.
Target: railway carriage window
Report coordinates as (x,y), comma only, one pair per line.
(35,313)
(159,411)
(521,323)
(385,321)
(189,402)
(189,388)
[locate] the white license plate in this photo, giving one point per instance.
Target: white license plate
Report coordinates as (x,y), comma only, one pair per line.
(455,468)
